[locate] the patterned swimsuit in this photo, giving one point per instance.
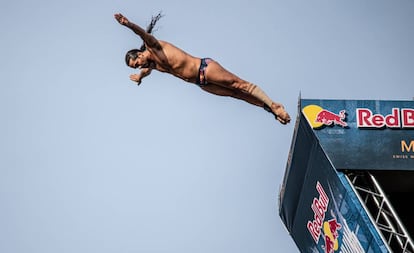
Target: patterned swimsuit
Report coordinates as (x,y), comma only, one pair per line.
(201,78)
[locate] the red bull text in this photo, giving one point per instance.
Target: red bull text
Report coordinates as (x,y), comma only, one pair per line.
(318,225)
(398,118)
(319,207)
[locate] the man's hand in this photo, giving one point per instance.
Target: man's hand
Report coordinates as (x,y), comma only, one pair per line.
(136,78)
(121,19)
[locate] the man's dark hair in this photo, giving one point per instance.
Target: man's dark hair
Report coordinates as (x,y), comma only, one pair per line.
(150,27)
(133,53)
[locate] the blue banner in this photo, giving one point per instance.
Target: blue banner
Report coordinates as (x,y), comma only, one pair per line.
(317,204)
(364,134)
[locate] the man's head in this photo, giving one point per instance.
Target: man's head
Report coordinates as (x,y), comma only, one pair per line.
(132,56)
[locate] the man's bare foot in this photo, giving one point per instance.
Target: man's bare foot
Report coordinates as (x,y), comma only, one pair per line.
(279,111)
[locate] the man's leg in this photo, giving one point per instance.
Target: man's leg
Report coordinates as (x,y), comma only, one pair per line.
(218,75)
(277,109)
(223,91)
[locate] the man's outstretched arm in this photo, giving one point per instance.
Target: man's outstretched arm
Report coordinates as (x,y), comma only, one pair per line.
(148,39)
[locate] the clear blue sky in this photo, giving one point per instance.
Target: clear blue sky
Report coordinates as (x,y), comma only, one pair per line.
(92,163)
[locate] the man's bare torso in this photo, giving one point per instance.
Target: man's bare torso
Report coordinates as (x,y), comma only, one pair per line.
(175,61)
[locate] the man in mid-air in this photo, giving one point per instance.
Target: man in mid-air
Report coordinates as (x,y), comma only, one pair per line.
(208,74)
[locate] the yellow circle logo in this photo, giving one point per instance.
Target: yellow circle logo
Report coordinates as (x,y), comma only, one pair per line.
(311,112)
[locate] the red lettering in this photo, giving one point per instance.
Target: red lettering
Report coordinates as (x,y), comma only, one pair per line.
(319,207)
(314,231)
(363,116)
(407,117)
(322,193)
(393,120)
(378,120)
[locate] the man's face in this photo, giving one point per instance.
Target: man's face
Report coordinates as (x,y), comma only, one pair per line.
(138,62)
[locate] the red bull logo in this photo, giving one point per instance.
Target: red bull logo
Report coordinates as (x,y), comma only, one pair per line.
(319,207)
(330,229)
(318,225)
(328,118)
(319,117)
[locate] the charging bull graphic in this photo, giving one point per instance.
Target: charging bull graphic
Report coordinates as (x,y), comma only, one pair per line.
(330,229)
(328,118)
(318,117)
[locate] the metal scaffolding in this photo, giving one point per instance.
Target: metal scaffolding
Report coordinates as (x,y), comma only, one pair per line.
(381,211)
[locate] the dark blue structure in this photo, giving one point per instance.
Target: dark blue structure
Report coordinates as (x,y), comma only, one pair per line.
(348,176)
